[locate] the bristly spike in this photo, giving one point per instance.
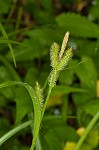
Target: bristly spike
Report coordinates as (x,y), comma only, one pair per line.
(64,61)
(52,78)
(59,59)
(54,54)
(39,94)
(64,44)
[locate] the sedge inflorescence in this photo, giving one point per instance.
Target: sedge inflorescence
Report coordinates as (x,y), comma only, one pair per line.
(59,59)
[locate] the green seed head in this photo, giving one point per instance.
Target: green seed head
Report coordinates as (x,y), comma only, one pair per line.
(54,54)
(59,59)
(39,93)
(64,61)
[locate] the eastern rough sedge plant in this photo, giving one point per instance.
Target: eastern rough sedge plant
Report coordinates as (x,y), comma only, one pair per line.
(59,59)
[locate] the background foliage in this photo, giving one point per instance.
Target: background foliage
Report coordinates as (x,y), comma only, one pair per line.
(31,27)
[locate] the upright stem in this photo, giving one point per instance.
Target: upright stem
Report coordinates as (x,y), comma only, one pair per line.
(46,101)
(53,78)
(89,127)
(38,144)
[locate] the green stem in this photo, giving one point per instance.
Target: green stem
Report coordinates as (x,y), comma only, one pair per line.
(15,130)
(38,144)
(46,101)
(45,84)
(89,127)
(52,82)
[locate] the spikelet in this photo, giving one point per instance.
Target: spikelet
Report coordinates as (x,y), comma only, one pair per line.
(52,78)
(54,54)
(39,94)
(59,59)
(64,44)
(64,61)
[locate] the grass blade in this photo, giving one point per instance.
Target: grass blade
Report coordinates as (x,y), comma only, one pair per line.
(9,45)
(36,105)
(14,131)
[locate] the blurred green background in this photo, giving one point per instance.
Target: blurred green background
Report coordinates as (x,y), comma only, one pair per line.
(31,27)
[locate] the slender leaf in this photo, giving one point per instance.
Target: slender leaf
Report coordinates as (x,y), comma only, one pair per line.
(15,130)
(23,103)
(9,45)
(36,104)
(61,89)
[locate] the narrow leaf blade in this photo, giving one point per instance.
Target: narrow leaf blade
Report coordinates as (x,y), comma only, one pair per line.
(9,45)
(36,104)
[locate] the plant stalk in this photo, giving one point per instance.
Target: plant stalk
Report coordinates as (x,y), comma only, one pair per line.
(89,127)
